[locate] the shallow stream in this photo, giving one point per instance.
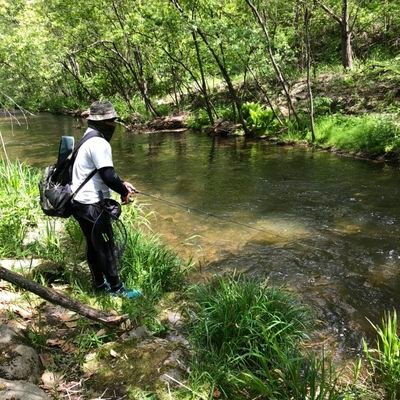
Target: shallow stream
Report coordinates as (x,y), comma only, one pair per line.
(326,227)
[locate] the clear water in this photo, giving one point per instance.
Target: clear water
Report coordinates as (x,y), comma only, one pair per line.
(325,227)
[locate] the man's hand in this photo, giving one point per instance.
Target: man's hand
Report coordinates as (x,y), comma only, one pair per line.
(131,190)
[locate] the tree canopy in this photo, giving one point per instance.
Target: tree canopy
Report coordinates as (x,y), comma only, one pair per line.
(63,53)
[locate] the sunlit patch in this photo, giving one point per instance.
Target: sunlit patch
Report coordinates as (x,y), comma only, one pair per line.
(383,275)
(347,227)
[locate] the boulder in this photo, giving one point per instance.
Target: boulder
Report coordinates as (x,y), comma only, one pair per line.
(19,390)
(17,360)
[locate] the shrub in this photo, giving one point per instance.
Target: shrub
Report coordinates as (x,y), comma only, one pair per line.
(365,133)
(246,338)
(198,120)
(322,105)
(258,118)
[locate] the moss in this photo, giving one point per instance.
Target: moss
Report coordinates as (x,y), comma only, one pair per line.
(119,366)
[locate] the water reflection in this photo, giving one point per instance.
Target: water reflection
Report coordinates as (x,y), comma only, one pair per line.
(326,227)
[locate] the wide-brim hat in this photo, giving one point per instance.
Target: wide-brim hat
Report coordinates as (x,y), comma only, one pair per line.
(101,110)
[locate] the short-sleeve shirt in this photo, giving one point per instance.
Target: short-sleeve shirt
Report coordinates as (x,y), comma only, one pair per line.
(95,153)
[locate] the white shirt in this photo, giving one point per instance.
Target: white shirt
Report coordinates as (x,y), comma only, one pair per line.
(95,153)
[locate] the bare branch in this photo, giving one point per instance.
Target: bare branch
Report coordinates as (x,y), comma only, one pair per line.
(330,12)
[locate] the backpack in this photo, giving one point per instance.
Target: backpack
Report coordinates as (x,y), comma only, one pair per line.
(55,187)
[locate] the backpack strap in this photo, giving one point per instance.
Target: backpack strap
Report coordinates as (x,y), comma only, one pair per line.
(85,138)
(74,154)
(90,176)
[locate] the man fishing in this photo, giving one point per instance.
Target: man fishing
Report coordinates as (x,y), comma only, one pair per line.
(93,207)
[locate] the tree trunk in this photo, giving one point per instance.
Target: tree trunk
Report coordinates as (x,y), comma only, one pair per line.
(275,65)
(81,87)
(60,299)
(138,72)
(347,53)
(345,31)
(236,101)
(203,80)
(266,97)
(307,17)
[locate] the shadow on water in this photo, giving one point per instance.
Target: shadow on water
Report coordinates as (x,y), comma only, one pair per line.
(328,227)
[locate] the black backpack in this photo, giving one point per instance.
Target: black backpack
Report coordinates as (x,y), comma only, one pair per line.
(55,188)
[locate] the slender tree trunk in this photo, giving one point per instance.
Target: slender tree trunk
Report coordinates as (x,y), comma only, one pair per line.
(307,17)
(137,72)
(266,97)
(203,80)
(236,101)
(345,31)
(347,53)
(299,43)
(275,65)
(81,87)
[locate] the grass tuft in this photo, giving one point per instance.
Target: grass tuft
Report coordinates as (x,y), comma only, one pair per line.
(371,134)
(385,358)
(246,338)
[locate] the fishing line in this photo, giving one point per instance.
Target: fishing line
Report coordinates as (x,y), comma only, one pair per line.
(198,210)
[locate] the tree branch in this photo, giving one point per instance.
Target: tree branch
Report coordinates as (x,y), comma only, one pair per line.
(61,299)
(330,12)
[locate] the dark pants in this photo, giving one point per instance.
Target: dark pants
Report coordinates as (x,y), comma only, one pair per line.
(101,252)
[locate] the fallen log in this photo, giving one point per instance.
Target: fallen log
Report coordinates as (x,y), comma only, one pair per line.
(61,299)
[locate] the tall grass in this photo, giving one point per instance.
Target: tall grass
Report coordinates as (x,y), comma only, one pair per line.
(247,336)
(18,211)
(150,265)
(385,358)
(371,134)
(146,264)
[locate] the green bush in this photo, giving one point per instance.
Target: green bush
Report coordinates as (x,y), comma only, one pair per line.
(367,133)
(198,120)
(259,119)
(246,338)
(322,105)
(150,265)
(225,112)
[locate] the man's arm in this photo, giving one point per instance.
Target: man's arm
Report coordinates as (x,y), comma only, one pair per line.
(114,182)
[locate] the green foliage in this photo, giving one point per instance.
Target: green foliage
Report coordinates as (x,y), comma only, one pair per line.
(322,105)
(375,135)
(53,60)
(293,376)
(49,245)
(198,120)
(225,112)
(18,211)
(385,358)
(246,337)
(151,266)
(259,119)
(235,314)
